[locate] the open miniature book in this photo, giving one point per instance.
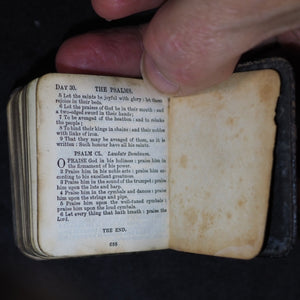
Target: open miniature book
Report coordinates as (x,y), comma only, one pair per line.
(107,165)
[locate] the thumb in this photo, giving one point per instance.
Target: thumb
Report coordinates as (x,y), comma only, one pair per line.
(183,52)
(190,46)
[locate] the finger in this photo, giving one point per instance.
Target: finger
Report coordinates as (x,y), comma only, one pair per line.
(191,47)
(110,52)
(290,38)
(290,42)
(116,9)
(185,49)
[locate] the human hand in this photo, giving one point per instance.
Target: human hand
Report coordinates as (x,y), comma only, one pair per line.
(187,46)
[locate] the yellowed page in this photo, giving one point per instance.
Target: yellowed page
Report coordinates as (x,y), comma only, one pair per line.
(102,166)
(220,157)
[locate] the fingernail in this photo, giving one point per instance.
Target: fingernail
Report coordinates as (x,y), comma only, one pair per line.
(152,74)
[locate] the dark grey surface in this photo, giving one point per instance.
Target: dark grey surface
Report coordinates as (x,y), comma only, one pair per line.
(30,33)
